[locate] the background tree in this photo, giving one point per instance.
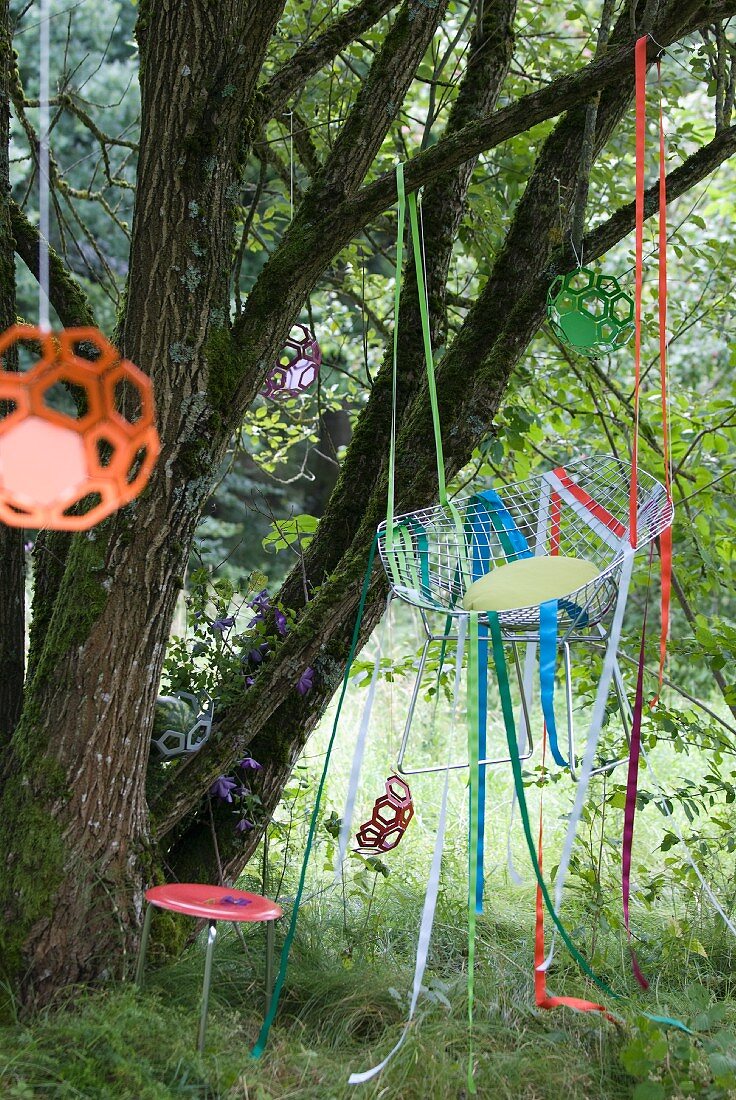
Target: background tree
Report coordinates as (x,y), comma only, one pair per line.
(224,88)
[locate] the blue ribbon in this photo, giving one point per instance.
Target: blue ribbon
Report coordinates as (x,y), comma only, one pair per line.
(547,661)
(514,546)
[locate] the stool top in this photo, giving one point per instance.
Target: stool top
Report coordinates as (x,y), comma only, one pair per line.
(197,899)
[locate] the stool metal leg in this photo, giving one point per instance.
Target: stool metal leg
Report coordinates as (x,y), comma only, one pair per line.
(211,936)
(144,946)
(270,927)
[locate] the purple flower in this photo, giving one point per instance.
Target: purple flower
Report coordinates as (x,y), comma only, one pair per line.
(249,763)
(249,681)
(241,792)
(305,683)
(280,622)
(222,625)
(28,547)
(255,656)
(223,788)
(244,825)
(260,604)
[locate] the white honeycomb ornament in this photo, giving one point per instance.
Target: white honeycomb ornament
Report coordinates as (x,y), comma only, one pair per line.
(187,738)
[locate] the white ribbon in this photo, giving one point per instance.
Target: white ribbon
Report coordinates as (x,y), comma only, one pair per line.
(43,168)
(347,817)
(596,722)
(433,883)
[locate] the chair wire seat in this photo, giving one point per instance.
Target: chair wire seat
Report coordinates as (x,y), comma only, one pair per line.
(580,510)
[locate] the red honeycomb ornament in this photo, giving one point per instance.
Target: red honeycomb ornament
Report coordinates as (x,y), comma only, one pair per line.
(392,812)
(297,366)
(72,431)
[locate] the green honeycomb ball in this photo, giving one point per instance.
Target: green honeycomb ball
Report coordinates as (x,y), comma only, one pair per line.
(590,312)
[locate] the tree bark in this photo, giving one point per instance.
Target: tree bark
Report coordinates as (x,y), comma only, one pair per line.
(80,835)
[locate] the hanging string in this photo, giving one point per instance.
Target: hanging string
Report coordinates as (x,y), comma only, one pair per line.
(43,169)
(291,166)
(587,150)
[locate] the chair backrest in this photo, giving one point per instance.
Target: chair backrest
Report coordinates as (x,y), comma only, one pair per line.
(579,510)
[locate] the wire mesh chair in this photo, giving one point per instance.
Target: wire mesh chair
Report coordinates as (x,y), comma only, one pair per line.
(579,510)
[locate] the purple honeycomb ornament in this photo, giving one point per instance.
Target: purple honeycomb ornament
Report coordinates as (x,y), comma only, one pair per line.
(296,368)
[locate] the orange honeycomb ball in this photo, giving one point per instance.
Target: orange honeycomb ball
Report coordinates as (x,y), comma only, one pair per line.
(392,812)
(77,435)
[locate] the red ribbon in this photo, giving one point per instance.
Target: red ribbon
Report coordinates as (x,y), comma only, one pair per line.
(665,539)
(587,500)
(640,66)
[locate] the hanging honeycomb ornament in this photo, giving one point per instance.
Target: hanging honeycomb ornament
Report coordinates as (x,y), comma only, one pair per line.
(590,312)
(297,366)
(192,718)
(392,812)
(77,435)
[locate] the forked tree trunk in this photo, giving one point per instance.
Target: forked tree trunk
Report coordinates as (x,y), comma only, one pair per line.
(77,836)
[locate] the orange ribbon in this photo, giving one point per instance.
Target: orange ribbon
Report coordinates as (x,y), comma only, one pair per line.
(665,539)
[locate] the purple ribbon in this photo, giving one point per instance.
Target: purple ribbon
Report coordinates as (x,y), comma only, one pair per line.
(632,779)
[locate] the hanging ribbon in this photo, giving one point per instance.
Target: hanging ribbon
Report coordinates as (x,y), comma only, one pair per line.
(354,780)
(640,67)
(632,780)
(433,882)
(665,539)
(390,498)
(547,660)
(258,1049)
(508,716)
(473,699)
(542,998)
(596,723)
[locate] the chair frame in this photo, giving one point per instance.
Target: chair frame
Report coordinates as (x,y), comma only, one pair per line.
(596,600)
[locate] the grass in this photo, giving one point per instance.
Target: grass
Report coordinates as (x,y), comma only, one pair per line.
(346,994)
(342,1011)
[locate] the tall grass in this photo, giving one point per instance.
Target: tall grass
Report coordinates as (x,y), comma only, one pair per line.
(346,993)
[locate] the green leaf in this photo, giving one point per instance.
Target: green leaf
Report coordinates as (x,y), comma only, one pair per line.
(299,530)
(648,1090)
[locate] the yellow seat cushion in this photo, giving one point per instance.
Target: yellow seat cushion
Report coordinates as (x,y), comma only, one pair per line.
(528,582)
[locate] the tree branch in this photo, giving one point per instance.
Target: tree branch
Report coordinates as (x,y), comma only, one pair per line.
(67,297)
(525,113)
(682,179)
(313,56)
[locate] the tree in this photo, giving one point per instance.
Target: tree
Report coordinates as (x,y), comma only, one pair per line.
(82,830)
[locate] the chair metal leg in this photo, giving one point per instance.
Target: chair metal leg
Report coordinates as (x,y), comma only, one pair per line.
(211,936)
(144,946)
(623,706)
(270,930)
(570,713)
(412,708)
(528,748)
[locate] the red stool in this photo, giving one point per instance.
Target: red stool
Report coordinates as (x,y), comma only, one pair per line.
(211,903)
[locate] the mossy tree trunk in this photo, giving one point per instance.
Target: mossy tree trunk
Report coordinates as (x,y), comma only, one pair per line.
(79,834)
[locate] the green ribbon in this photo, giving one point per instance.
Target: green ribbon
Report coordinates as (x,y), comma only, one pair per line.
(427,339)
(397,305)
(284,961)
(508,716)
(473,689)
